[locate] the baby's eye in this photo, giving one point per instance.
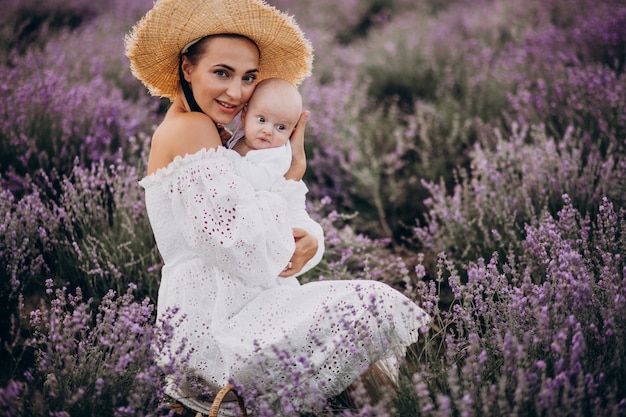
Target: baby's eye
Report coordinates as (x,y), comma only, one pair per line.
(261,119)
(281,127)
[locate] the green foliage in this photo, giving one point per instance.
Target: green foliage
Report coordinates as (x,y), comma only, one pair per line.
(352,255)
(509,187)
(444,61)
(107,241)
(29,24)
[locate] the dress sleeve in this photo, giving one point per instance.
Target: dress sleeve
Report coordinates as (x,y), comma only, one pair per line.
(295,194)
(223,220)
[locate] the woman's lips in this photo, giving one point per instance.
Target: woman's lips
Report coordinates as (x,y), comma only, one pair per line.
(227,107)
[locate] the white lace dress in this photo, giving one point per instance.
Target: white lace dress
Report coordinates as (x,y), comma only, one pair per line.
(223,245)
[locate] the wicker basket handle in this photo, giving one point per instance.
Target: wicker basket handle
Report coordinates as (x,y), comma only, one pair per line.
(217,401)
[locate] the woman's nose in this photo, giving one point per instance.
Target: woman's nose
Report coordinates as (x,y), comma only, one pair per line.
(234,90)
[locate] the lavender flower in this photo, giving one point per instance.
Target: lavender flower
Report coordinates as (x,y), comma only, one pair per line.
(91,363)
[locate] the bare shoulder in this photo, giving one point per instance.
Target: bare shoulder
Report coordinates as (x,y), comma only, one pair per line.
(180,134)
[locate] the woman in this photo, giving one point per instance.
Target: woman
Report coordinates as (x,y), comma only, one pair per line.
(222,243)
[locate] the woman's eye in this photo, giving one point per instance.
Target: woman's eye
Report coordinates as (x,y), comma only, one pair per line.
(250,79)
(221,73)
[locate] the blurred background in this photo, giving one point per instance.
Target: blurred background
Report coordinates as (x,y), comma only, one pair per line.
(469,153)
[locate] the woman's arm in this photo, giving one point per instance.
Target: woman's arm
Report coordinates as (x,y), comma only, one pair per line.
(308,235)
(298,158)
(307,247)
(225,222)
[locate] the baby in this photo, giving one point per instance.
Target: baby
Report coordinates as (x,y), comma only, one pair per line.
(263,144)
(262,151)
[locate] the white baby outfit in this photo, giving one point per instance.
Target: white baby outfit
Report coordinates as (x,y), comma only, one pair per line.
(260,167)
(223,244)
(263,168)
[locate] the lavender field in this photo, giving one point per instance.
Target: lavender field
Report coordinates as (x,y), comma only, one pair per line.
(470,153)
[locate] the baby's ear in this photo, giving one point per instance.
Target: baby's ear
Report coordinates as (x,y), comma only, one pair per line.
(244,111)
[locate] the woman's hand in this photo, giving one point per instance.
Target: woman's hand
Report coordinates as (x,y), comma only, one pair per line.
(306,248)
(298,158)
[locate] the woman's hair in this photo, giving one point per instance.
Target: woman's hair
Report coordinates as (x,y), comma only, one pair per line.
(195,51)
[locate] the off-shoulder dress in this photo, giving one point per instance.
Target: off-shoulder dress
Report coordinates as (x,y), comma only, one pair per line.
(223,245)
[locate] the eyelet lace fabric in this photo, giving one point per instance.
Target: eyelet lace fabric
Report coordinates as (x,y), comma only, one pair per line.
(223,246)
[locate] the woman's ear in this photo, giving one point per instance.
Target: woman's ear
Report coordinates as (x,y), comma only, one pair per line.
(186,66)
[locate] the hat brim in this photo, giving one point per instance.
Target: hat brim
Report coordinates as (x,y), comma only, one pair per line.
(156,41)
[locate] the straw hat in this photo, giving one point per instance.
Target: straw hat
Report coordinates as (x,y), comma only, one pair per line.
(155,43)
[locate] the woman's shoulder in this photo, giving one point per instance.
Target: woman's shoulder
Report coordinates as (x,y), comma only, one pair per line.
(181,134)
(181,164)
(188,131)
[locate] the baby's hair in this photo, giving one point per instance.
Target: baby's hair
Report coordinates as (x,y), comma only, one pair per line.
(279,83)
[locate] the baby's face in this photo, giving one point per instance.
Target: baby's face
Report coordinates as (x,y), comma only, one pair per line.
(270,118)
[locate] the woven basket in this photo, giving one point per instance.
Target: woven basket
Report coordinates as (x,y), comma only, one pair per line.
(217,401)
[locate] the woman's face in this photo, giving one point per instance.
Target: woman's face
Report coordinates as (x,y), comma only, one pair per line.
(224,77)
